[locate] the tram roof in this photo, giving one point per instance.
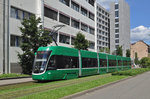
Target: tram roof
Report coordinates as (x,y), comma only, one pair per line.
(61,50)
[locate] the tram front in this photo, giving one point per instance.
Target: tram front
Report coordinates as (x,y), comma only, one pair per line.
(40,64)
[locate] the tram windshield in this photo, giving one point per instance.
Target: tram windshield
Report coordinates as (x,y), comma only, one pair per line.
(41,61)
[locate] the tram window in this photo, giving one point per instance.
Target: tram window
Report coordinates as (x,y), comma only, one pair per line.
(112,63)
(67,62)
(125,63)
(75,62)
(103,63)
(89,62)
(129,62)
(52,63)
(119,63)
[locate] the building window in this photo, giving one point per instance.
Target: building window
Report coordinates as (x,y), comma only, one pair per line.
(15,41)
(103,43)
(103,38)
(75,6)
(117,36)
(116,20)
(116,25)
(64,19)
(100,26)
(117,46)
(84,11)
(84,27)
(66,2)
(99,15)
(19,14)
(102,16)
(103,11)
(91,30)
(116,13)
(13,12)
(50,13)
(74,23)
(116,6)
(26,15)
(91,45)
(72,40)
(116,41)
(64,39)
(91,16)
(116,30)
(91,2)
(100,20)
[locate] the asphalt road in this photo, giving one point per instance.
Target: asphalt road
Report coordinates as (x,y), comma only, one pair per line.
(135,88)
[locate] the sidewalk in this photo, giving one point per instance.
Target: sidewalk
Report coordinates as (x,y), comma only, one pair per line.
(14,81)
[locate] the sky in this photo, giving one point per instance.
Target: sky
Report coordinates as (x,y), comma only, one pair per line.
(139,18)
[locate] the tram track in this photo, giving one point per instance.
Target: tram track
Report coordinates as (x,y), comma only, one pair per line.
(51,86)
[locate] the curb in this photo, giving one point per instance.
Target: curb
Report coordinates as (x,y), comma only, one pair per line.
(94,89)
(15,78)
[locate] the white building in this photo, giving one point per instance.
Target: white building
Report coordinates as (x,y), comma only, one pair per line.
(119,26)
(76,15)
(102,27)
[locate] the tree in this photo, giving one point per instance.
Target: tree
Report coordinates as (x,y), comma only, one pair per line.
(101,49)
(80,42)
(136,60)
(105,50)
(33,36)
(145,62)
(119,51)
(127,53)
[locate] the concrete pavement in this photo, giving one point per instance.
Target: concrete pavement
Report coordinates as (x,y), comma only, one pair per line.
(135,88)
(14,81)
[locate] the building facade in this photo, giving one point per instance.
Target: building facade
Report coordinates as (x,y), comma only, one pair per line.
(102,27)
(119,26)
(76,15)
(141,48)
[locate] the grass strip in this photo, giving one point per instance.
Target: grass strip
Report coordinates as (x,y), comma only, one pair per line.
(12,75)
(13,91)
(71,89)
(29,85)
(131,72)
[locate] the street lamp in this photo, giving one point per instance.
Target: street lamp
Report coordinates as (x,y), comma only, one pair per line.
(56,28)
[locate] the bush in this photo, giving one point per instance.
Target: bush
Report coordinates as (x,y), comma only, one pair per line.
(145,62)
(131,72)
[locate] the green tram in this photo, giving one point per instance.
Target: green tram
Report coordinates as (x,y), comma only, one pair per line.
(57,62)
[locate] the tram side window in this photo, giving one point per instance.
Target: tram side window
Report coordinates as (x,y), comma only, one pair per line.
(125,63)
(67,62)
(103,63)
(129,63)
(112,63)
(89,62)
(119,63)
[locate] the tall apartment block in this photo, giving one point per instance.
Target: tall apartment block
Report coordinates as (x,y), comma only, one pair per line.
(119,26)
(76,15)
(102,27)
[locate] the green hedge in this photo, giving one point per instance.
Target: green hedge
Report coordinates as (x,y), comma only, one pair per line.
(12,75)
(131,72)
